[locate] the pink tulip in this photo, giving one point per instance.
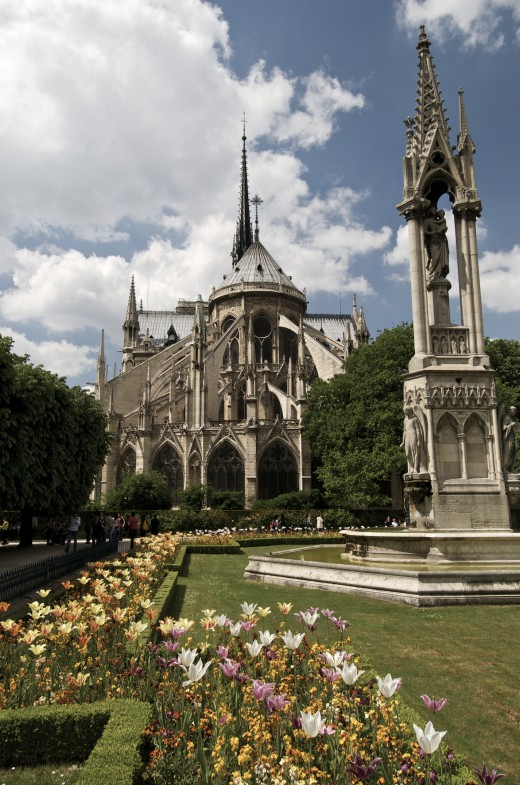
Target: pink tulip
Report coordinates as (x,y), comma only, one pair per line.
(434,705)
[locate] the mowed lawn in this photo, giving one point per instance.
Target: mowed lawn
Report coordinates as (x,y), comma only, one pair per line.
(470,655)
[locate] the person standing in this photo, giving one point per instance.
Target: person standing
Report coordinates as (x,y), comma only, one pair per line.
(74,524)
(133,527)
(155,524)
(319,523)
(5,532)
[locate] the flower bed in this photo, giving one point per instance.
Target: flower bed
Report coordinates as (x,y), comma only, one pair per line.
(76,651)
(266,698)
(249,705)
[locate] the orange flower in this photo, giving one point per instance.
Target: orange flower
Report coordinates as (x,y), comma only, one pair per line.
(66,585)
(4,606)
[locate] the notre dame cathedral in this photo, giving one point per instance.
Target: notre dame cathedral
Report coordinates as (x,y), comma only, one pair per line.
(213,392)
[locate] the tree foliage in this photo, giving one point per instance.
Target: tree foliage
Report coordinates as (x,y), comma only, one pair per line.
(504,357)
(142,491)
(354,421)
(53,440)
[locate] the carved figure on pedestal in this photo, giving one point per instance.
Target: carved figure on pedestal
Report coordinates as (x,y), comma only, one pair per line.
(509,426)
(414,442)
(435,230)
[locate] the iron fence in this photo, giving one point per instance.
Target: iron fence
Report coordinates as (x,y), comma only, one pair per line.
(20,581)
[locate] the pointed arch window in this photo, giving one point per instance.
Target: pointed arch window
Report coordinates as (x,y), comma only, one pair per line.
(169,464)
(449,465)
(226,469)
(127,465)
(476,448)
(277,472)
(263,333)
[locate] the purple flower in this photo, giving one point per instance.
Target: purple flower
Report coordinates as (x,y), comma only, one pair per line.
(434,705)
(247,625)
(222,651)
(330,674)
(488,777)
(230,668)
(327,730)
(340,624)
(170,646)
(270,655)
(325,612)
(138,671)
(275,702)
(262,689)
(360,770)
(296,722)
(177,632)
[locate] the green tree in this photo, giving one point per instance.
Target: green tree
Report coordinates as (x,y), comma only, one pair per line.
(53,442)
(504,357)
(354,421)
(142,491)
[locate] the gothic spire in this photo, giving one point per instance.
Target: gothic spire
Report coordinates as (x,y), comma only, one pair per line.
(243,234)
(430,112)
(131,325)
(464,140)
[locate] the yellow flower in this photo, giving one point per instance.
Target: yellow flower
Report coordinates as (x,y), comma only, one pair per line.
(263,612)
(284,607)
(37,649)
(30,636)
(43,592)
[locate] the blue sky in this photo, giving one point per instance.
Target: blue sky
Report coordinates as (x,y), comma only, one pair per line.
(120,154)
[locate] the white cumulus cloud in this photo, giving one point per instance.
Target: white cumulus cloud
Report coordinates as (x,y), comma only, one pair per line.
(476,22)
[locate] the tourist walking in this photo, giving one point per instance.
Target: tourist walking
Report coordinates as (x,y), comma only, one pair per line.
(319,523)
(72,534)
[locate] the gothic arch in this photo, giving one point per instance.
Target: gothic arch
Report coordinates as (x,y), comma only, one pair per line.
(448,453)
(263,332)
(225,469)
(476,447)
(277,471)
(126,465)
(169,463)
(194,470)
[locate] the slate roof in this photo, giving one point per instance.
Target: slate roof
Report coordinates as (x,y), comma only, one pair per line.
(157,324)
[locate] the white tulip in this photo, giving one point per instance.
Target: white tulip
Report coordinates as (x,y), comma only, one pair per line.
(388,686)
(291,640)
(349,673)
(195,672)
(429,738)
(311,723)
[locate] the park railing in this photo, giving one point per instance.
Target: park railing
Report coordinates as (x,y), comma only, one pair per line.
(19,581)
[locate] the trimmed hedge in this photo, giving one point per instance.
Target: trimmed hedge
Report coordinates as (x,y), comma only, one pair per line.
(117,758)
(107,735)
(51,734)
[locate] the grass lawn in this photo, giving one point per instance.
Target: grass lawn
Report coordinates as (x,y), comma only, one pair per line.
(469,655)
(40,775)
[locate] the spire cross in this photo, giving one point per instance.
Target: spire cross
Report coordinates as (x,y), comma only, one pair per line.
(256,201)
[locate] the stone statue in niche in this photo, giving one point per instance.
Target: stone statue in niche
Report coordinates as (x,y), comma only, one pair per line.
(509,426)
(436,241)
(414,441)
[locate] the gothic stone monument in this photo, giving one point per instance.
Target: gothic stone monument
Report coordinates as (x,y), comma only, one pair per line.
(459,445)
